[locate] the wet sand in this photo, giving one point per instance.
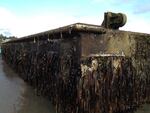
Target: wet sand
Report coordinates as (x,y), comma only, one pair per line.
(18,97)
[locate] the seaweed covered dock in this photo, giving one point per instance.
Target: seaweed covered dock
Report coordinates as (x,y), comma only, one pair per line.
(85,68)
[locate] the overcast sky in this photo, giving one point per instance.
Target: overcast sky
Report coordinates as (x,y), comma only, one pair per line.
(25,17)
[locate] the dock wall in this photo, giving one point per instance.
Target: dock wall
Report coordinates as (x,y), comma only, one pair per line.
(86,72)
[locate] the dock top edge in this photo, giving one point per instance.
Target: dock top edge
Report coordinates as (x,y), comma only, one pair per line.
(77,27)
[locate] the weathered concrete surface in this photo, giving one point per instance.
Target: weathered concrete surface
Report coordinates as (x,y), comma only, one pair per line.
(113,42)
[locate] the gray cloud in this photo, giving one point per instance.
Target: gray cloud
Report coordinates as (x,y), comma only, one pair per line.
(5,32)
